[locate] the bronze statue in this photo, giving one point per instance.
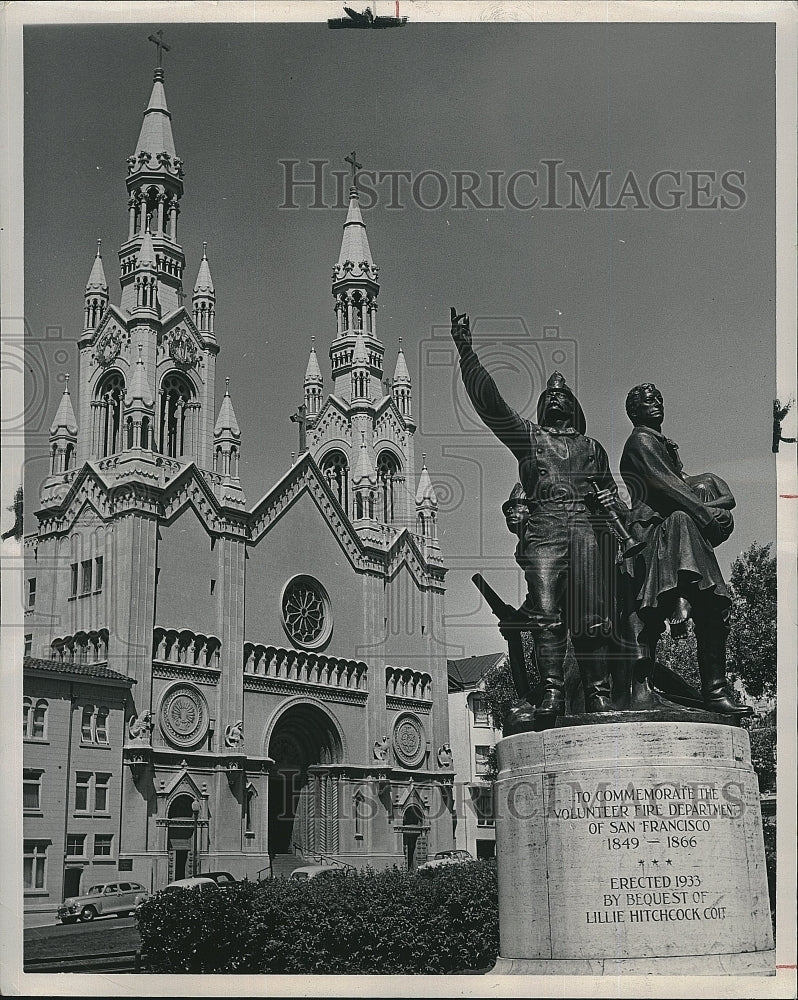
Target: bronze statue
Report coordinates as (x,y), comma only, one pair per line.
(679,519)
(559,549)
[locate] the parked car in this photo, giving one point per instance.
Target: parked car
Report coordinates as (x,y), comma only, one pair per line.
(220,878)
(204,878)
(444,858)
(194,882)
(315,871)
(118,899)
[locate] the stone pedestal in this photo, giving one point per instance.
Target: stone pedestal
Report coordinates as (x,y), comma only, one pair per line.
(631,848)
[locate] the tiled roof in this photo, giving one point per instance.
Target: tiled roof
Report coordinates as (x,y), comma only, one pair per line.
(81,669)
(470,671)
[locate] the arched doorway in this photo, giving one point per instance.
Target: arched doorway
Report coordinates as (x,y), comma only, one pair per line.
(182,840)
(302,811)
(414,838)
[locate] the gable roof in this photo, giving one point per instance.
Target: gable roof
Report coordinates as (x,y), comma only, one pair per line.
(469,672)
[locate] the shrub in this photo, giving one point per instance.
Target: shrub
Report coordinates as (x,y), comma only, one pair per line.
(388,922)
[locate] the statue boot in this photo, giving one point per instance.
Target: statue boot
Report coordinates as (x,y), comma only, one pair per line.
(591,655)
(711,649)
(550,645)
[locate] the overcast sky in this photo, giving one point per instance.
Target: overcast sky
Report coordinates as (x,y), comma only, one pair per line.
(683,298)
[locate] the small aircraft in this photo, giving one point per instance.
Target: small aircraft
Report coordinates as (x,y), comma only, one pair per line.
(366,20)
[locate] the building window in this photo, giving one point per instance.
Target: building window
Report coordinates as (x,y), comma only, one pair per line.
(86,724)
(76,845)
(28,643)
(30,596)
(82,783)
(34,719)
(31,790)
(479,707)
(94,725)
(101,726)
(34,864)
(98,574)
(101,782)
(483,806)
(102,845)
(85,576)
(481,759)
(306,612)
(73,583)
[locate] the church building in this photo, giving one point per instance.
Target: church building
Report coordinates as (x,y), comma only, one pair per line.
(277,668)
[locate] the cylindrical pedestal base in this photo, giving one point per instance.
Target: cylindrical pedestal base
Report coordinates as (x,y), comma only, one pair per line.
(631,848)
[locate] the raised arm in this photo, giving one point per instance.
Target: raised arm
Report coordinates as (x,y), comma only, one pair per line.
(508,426)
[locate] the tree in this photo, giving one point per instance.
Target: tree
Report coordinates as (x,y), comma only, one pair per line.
(751,649)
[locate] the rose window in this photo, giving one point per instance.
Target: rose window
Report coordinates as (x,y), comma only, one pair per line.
(306,612)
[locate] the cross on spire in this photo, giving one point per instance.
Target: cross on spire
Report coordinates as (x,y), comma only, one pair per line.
(157,38)
(352,159)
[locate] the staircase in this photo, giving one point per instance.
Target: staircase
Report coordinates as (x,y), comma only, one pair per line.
(284,864)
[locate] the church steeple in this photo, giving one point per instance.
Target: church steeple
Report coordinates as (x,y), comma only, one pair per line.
(155,186)
(355,289)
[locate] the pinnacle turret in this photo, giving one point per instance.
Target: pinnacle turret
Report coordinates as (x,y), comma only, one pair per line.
(96,294)
(363,473)
(64,419)
(425,491)
(204,283)
(314,383)
(204,299)
(63,434)
(139,392)
(226,422)
(97,282)
(226,438)
(313,372)
(427,506)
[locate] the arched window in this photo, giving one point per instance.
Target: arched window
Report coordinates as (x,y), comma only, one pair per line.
(357,323)
(34,719)
(101,726)
(335,468)
(388,469)
(177,396)
(87,724)
(109,399)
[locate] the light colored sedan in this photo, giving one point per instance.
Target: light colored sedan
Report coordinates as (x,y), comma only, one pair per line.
(107,899)
(444,858)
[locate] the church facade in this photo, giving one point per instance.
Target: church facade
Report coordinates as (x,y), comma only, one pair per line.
(286,677)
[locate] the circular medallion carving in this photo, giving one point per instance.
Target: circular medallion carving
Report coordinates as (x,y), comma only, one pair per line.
(108,347)
(306,612)
(408,740)
(184,716)
(182,349)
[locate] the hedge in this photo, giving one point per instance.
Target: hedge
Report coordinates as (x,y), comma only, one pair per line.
(388,922)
